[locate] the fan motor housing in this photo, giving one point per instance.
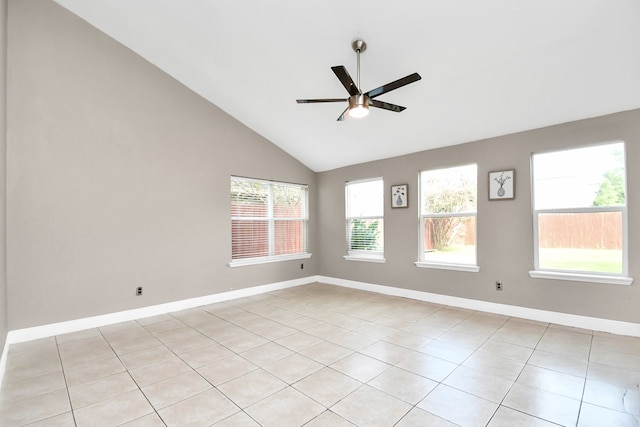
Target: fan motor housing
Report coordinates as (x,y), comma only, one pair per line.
(359,100)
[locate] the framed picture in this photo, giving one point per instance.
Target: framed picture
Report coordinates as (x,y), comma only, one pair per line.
(502,185)
(400,196)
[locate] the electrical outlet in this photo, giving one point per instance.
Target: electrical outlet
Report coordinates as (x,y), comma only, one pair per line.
(498,286)
(301,266)
(139,291)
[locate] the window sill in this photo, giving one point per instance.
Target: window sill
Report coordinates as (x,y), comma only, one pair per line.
(576,277)
(455,267)
(267,259)
(365,258)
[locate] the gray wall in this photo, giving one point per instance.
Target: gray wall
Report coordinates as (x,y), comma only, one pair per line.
(3,163)
(504,241)
(118,177)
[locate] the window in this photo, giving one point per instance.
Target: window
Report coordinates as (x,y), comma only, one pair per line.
(580,211)
(448,218)
(365,220)
(268,221)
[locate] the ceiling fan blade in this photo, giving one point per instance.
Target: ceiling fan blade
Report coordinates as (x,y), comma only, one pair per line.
(344,115)
(386,105)
(393,85)
(343,75)
(313,101)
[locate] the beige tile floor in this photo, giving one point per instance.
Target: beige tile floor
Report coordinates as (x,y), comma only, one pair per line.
(321,355)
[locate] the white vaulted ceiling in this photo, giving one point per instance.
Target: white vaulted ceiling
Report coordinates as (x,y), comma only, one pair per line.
(488,67)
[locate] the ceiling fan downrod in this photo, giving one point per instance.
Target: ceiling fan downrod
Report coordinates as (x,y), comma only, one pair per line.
(359,46)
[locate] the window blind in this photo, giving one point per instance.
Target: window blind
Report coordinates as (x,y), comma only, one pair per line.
(267,218)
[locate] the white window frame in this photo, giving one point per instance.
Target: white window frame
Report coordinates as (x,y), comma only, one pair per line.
(271,220)
(362,255)
(422,263)
(576,275)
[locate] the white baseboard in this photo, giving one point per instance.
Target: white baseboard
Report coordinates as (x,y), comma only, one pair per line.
(3,360)
(584,322)
(45,331)
(573,320)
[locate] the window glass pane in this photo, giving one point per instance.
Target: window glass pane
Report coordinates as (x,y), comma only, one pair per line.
(289,237)
(582,177)
(249,198)
(588,242)
(448,215)
(249,238)
(288,201)
(450,240)
(365,198)
(366,235)
(451,190)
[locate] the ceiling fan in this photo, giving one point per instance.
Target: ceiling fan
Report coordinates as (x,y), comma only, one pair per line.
(359,102)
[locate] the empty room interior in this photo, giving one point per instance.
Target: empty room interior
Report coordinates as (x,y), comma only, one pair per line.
(324,214)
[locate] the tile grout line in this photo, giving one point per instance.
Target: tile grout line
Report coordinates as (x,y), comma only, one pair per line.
(64,375)
(520,373)
(131,376)
(586,375)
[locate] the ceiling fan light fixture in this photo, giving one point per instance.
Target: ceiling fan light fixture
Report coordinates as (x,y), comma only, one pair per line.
(358,112)
(358,106)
